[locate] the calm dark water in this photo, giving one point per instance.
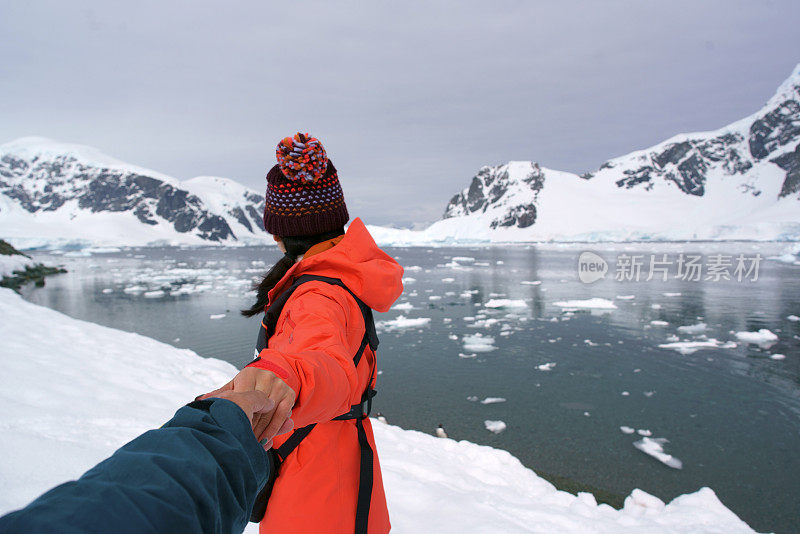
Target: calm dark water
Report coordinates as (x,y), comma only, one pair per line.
(731,415)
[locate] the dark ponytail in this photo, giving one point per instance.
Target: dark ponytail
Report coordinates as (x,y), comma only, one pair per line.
(295,247)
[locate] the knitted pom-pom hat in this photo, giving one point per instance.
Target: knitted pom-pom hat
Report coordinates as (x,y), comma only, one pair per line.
(303,192)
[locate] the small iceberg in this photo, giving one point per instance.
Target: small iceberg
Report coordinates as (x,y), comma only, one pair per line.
(655,448)
(495,426)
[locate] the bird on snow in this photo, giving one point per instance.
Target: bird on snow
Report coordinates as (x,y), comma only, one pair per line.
(440,432)
(380,417)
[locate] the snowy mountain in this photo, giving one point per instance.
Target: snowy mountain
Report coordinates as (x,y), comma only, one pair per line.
(739,182)
(55,193)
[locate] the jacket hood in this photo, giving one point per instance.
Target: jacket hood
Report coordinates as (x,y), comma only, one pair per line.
(370,273)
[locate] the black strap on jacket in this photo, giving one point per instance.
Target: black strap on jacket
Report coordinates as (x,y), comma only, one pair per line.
(357,412)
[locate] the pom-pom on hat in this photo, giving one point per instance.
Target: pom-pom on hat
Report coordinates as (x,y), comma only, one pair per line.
(303,192)
(302,157)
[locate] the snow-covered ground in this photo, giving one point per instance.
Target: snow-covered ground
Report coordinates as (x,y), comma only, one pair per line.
(74,391)
(15,262)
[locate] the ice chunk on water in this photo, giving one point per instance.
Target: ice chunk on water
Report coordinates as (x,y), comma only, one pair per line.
(492,400)
(777,356)
(478,343)
(793,318)
(627,430)
(763,338)
(546,366)
(659,323)
(506,303)
(495,426)
(402,322)
(690,347)
(693,329)
(216,316)
(403,306)
(531,282)
(588,304)
(644,432)
(655,448)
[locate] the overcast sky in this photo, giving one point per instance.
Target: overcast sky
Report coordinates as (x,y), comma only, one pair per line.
(409,98)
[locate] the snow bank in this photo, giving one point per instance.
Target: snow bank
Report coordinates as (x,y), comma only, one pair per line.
(105,386)
(17,262)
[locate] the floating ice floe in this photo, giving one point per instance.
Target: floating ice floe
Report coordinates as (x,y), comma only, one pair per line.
(134,289)
(656,306)
(546,366)
(626,297)
(435,297)
(484,323)
(793,318)
(693,329)
(627,430)
(467,356)
(531,282)
(506,303)
(108,290)
(412,268)
(403,306)
(448,280)
(659,323)
(588,304)
(778,356)
(644,432)
(671,294)
(158,293)
(495,426)
(452,337)
(478,343)
(408,280)
(690,347)
(493,400)
(655,448)
(763,338)
(472,398)
(402,322)
(625,393)
(216,316)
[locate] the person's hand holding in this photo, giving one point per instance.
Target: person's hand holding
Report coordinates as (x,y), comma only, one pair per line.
(267,422)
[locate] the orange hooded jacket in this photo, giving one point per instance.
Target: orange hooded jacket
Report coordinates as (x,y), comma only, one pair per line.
(318,332)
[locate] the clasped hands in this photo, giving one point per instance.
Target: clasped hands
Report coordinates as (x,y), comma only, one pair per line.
(264,398)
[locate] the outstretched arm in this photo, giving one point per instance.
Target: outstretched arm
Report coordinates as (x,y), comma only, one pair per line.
(200,472)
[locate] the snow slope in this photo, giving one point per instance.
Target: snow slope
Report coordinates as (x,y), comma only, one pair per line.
(72,396)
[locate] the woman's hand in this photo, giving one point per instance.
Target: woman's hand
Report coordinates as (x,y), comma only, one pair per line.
(266,425)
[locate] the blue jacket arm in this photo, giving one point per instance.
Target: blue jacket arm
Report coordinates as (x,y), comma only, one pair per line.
(200,472)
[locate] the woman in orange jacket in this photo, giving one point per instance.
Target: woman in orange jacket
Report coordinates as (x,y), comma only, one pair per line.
(316,363)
